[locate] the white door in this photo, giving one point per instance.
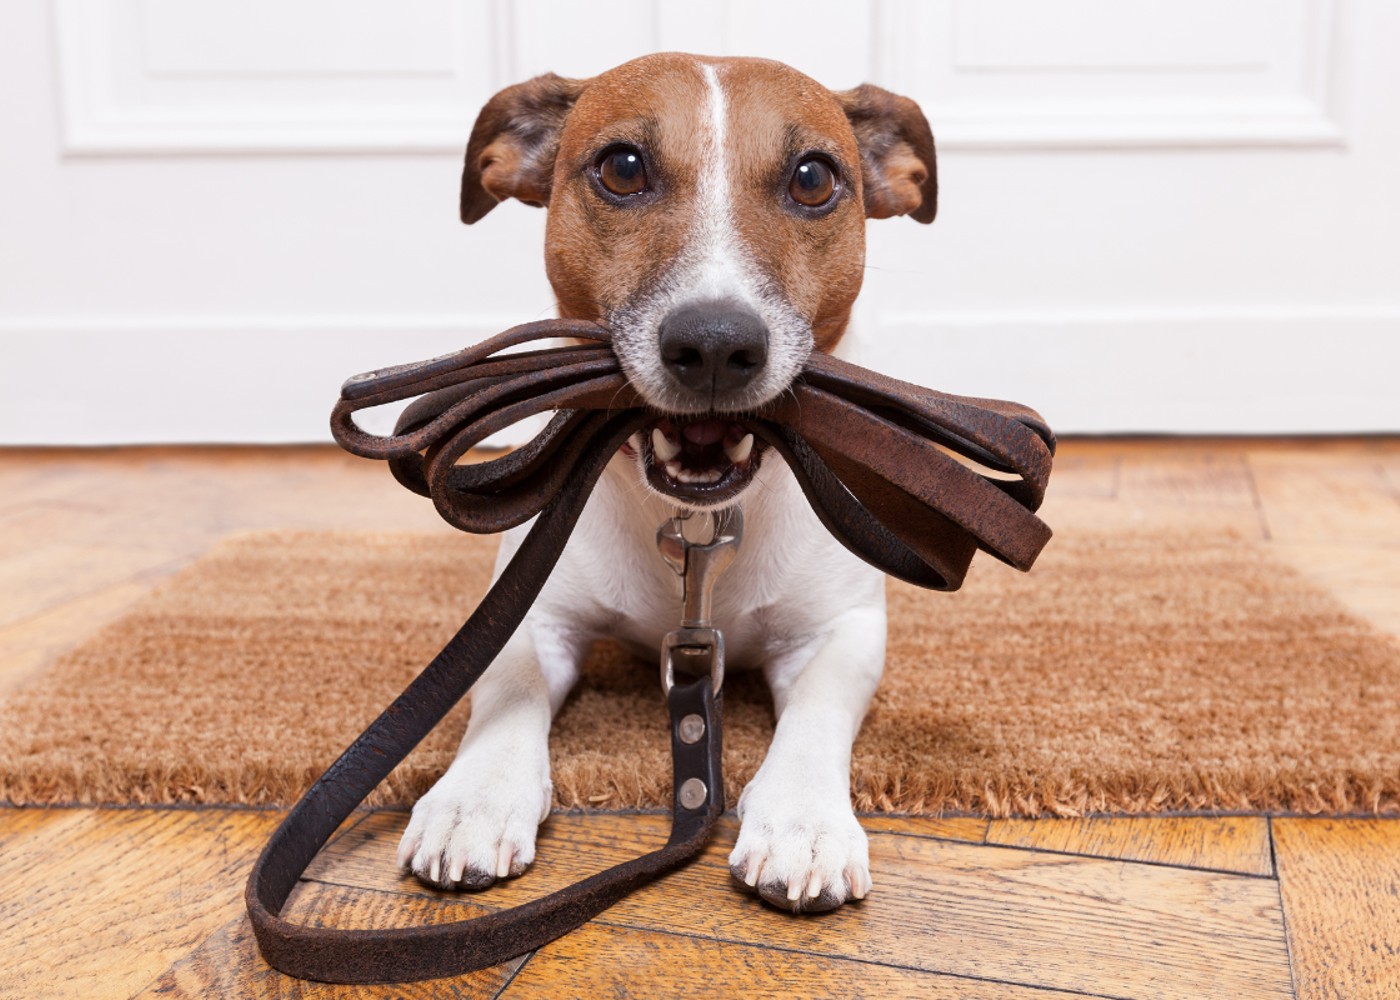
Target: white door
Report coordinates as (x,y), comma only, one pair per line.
(1155,215)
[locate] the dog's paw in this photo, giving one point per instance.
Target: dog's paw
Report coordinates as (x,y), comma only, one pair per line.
(798,852)
(468,832)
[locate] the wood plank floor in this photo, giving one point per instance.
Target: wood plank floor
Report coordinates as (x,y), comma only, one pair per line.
(147,902)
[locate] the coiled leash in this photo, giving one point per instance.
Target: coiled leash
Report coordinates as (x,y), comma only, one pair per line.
(871,454)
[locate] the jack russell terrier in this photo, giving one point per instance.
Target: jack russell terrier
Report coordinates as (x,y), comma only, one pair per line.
(711,213)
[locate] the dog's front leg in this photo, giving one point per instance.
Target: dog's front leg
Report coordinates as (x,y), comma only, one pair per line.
(800,846)
(477,824)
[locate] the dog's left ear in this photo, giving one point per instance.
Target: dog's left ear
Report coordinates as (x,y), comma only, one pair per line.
(513,144)
(898,170)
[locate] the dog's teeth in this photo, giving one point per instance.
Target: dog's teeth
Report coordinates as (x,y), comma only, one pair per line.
(635,442)
(739,453)
(662,445)
(684,475)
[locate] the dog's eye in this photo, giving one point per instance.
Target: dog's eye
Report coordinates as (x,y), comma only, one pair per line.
(621,171)
(813,183)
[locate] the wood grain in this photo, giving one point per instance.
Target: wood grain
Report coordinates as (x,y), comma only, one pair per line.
(23,832)
(570,846)
(1227,843)
(227,963)
(44,577)
(602,961)
(972,829)
(1366,578)
(1312,497)
(1340,880)
(1031,918)
(98,902)
(1070,516)
(1214,477)
(1085,475)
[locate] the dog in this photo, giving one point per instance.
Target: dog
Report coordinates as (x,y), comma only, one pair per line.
(711,213)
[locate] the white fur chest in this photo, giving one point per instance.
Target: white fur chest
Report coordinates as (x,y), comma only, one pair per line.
(789,580)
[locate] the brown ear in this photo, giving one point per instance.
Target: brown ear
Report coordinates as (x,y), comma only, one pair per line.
(898,169)
(513,144)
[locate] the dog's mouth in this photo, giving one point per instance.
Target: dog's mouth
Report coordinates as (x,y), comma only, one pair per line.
(702,461)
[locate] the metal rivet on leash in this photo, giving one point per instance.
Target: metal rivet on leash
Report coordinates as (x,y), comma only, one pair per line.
(693,793)
(691,729)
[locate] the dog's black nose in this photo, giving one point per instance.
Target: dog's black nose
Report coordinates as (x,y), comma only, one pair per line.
(714,347)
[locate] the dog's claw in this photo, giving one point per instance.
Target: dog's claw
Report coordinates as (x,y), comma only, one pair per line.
(456,876)
(857,883)
(798,896)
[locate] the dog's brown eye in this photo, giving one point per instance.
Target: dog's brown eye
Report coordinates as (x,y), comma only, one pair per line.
(622,172)
(813,183)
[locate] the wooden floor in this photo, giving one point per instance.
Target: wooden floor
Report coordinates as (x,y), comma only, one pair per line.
(147,902)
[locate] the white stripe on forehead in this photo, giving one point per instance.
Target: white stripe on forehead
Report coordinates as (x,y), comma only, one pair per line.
(719,266)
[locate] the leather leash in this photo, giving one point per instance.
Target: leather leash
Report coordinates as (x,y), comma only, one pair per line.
(872,455)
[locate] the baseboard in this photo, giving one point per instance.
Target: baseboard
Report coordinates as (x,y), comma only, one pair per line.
(69,382)
(201,381)
(1162,371)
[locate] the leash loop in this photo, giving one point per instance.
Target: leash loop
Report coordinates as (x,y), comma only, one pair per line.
(882,462)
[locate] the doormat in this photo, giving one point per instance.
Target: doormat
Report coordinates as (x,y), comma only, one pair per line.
(1128,673)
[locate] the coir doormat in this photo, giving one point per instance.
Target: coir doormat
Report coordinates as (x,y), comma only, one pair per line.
(1129,673)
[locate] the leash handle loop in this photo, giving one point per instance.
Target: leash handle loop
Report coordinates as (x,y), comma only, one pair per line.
(870,453)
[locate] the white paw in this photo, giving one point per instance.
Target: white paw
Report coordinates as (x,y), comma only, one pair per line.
(477,824)
(799,850)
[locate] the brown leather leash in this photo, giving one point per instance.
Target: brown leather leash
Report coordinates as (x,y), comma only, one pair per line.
(873,455)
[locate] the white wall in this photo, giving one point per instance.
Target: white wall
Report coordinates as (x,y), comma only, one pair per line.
(1159,215)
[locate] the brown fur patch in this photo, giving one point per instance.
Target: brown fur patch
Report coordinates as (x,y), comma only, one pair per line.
(540,141)
(776,115)
(511,150)
(599,255)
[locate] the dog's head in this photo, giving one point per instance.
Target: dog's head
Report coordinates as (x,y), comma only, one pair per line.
(711,213)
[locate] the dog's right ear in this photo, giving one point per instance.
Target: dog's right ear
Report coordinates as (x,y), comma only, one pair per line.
(513,144)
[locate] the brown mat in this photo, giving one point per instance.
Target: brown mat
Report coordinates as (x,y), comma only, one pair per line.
(1128,673)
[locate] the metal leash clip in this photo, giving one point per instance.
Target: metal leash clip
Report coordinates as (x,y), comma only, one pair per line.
(697,647)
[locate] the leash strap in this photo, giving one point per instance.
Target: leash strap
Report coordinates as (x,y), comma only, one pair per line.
(874,457)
